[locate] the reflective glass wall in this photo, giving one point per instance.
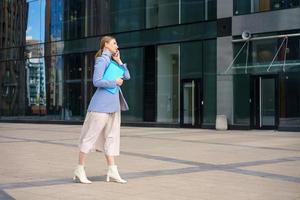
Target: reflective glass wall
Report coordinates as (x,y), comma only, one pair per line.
(46,63)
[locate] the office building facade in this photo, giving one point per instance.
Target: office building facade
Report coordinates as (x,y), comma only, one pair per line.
(188,61)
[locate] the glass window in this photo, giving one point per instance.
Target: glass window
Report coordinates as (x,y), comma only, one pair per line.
(241,59)
(99,17)
(54,86)
(34,51)
(283,4)
(74,100)
(89,61)
(13,20)
(133,89)
(262,52)
(56,25)
(292,54)
(197,10)
(209,82)
(69,87)
(127,15)
(242,7)
(241,96)
(35,32)
(74,20)
(11,54)
(211,9)
(162,13)
(74,69)
(290,100)
(191,59)
(36,86)
(13,89)
(168,83)
(252,6)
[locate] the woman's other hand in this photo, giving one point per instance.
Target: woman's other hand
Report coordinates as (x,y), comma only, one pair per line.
(119,81)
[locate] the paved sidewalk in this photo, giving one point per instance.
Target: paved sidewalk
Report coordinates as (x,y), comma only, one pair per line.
(37,163)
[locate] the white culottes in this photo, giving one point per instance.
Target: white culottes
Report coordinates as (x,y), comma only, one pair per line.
(101,132)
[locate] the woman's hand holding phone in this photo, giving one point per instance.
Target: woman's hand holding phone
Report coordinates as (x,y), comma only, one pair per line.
(116,57)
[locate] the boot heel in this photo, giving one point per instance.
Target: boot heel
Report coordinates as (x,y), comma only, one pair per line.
(107,178)
(75,179)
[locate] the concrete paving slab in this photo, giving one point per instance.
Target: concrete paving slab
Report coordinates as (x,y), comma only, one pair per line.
(37,162)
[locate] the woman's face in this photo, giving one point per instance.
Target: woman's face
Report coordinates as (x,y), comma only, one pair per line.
(112,46)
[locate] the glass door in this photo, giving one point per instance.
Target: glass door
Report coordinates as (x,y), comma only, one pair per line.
(264,102)
(267,102)
(191,103)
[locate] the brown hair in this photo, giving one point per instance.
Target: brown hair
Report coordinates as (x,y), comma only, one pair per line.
(103,40)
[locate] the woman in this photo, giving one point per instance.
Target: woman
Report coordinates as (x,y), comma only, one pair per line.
(101,128)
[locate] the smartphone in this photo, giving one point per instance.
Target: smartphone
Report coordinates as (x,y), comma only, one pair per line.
(116,54)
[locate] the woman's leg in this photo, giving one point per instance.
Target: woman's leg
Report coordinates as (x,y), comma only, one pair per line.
(110,160)
(82,158)
(79,173)
(92,127)
(113,170)
(112,147)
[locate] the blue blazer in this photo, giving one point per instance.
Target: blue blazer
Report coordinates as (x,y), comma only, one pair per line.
(102,100)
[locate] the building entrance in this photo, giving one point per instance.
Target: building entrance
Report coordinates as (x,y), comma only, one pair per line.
(191,103)
(264,102)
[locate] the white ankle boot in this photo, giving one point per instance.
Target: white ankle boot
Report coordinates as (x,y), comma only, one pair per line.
(114,174)
(80,176)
